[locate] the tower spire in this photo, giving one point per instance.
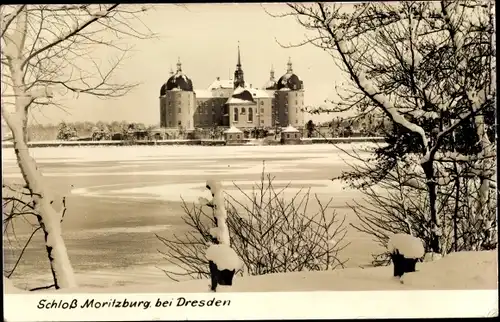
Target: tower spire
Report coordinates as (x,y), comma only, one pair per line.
(238,73)
(289,70)
(272,72)
(239,56)
(179,65)
(171,70)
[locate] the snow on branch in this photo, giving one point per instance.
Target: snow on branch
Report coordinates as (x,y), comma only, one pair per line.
(384,102)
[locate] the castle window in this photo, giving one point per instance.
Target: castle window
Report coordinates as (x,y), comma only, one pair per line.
(296,103)
(179,123)
(262,110)
(250,114)
(262,121)
(236,114)
(243,111)
(179,110)
(261,102)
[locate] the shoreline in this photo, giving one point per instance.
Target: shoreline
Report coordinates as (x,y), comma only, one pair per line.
(202,142)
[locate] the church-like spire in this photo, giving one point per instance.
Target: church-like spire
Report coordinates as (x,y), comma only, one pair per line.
(289,64)
(239,80)
(272,73)
(171,71)
(179,65)
(239,56)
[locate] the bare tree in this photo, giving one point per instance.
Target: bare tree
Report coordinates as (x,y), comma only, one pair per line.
(48,51)
(426,66)
(270,233)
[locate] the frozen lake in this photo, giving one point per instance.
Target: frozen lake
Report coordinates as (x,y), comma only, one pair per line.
(119,197)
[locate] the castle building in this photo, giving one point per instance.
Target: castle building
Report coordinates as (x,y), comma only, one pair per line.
(232,103)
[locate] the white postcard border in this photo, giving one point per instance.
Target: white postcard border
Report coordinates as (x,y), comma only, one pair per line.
(289,305)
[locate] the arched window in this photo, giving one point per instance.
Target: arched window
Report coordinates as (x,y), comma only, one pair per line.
(236,114)
(250,114)
(243,111)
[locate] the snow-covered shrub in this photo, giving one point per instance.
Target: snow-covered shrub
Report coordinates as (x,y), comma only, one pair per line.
(100,132)
(223,264)
(65,132)
(406,245)
(405,251)
(269,233)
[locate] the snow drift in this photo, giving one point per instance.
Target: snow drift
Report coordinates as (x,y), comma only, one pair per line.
(456,271)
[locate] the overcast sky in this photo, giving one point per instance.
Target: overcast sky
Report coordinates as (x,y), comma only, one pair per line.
(205,37)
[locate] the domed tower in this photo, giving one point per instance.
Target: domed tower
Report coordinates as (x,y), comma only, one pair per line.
(177,101)
(290,99)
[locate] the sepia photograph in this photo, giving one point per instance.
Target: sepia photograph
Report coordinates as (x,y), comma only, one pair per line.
(213,152)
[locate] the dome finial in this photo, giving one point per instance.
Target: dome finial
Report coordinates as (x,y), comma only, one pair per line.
(171,70)
(272,72)
(179,65)
(289,70)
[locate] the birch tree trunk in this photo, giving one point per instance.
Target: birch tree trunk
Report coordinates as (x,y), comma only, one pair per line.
(48,218)
(40,50)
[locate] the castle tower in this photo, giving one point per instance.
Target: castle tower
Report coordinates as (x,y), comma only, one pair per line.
(177,104)
(290,99)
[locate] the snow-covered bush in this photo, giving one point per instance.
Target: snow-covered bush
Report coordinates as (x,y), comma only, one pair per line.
(268,232)
(100,132)
(65,132)
(405,251)
(406,245)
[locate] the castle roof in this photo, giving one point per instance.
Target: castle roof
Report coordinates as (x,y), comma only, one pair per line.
(221,83)
(177,82)
(290,129)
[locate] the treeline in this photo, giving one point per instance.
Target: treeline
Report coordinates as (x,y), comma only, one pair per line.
(82,130)
(361,125)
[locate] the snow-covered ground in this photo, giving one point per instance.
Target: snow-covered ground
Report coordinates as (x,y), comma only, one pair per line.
(457,271)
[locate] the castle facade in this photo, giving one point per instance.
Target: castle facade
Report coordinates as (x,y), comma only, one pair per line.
(227,103)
